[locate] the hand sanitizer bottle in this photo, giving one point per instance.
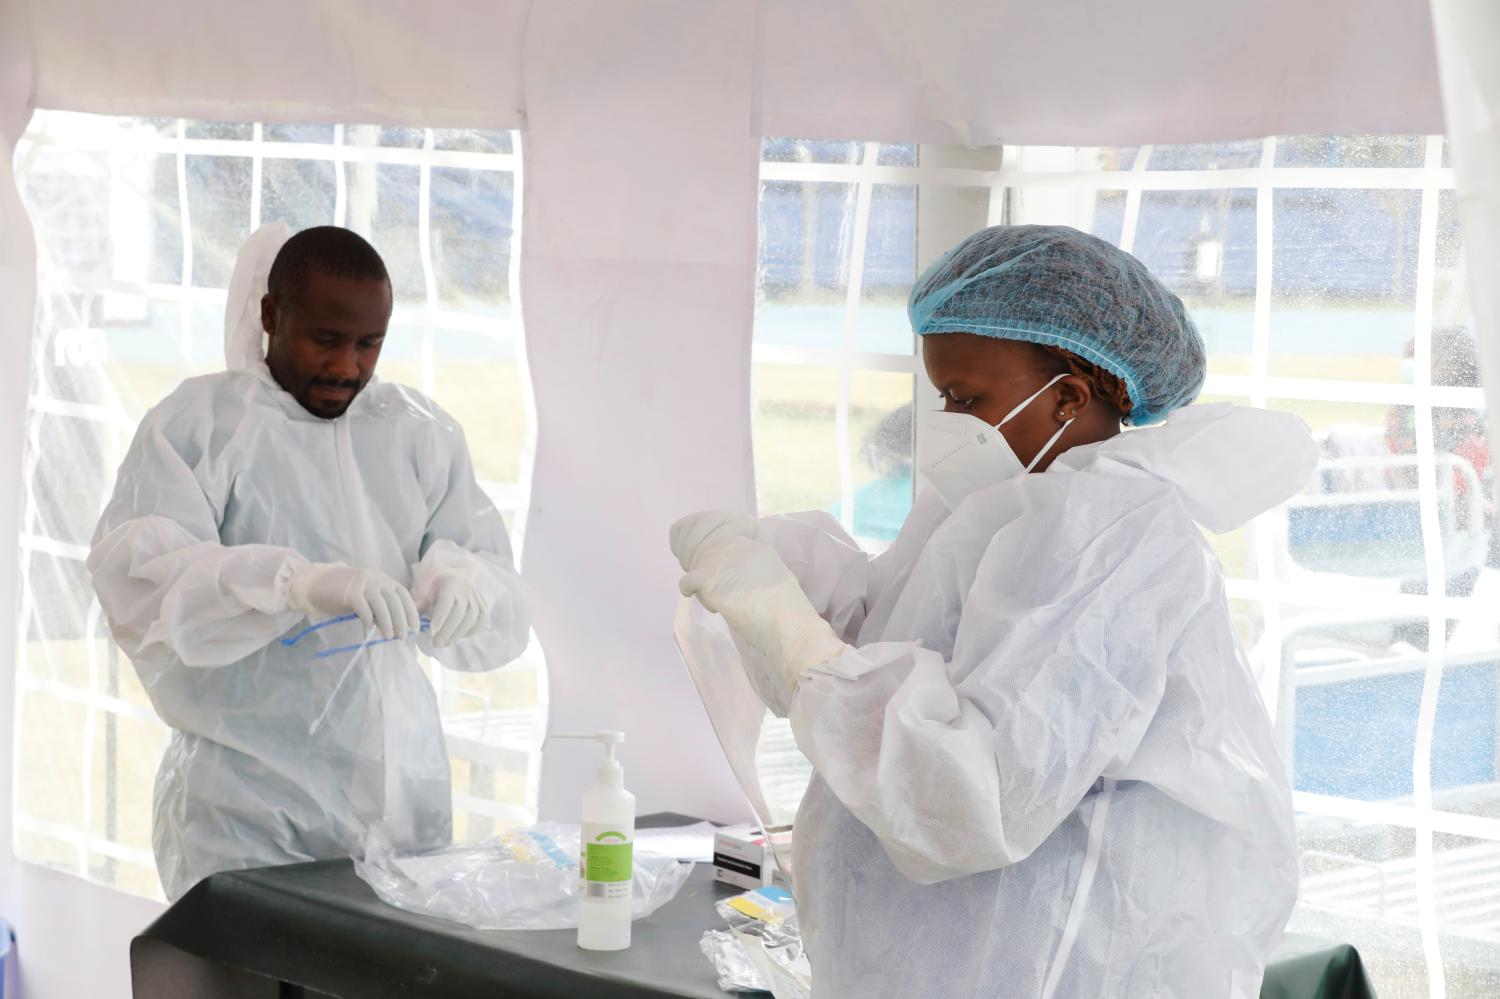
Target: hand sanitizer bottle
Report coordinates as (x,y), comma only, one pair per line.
(606,847)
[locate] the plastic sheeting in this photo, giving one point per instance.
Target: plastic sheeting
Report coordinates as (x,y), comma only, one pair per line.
(526,879)
(71,932)
(738,711)
(1468,39)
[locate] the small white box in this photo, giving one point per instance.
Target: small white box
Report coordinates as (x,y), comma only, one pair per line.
(742,857)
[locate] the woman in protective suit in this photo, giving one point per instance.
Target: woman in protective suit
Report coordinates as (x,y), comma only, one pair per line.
(1042,765)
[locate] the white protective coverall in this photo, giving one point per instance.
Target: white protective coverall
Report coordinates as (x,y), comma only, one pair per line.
(1042,765)
(229,487)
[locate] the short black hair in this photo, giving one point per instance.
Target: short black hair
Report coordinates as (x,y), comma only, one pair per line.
(327,248)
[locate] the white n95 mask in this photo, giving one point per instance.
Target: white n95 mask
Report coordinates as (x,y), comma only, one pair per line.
(960,454)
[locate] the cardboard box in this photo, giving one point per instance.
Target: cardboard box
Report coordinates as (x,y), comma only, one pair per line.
(741,857)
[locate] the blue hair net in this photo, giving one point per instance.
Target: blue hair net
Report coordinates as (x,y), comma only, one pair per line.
(1057,286)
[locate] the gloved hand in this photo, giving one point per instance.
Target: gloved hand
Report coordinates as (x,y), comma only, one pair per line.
(456,608)
(698,533)
(748,584)
(331,589)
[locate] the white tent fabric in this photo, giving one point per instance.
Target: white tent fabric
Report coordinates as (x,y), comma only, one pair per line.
(637,285)
(641,124)
(356,61)
(1078,72)
(1468,40)
(1066,72)
(75,932)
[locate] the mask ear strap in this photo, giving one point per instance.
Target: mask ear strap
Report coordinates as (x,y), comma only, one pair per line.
(1048,446)
(1029,400)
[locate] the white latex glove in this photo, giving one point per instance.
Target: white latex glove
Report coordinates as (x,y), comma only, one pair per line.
(748,584)
(695,535)
(458,609)
(376,599)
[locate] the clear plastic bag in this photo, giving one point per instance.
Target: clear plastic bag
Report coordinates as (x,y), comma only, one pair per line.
(735,969)
(762,948)
(526,879)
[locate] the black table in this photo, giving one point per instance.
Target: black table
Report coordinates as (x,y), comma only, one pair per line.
(312,929)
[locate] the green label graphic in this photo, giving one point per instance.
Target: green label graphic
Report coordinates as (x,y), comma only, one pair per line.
(607,861)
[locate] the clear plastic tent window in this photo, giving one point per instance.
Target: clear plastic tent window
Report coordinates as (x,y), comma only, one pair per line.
(137,223)
(1327,276)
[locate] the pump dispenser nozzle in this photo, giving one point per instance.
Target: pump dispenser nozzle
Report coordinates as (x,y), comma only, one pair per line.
(608,738)
(611,774)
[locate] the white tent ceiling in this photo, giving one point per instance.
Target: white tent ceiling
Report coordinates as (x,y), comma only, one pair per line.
(1081,72)
(1065,71)
(437,64)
